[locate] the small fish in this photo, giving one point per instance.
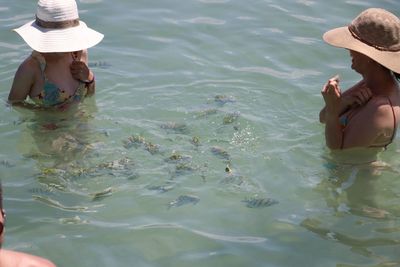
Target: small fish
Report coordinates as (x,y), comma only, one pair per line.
(117,164)
(40,191)
(133,176)
(6,163)
(135,141)
(180,128)
(230,118)
(161,188)
(195,141)
(256,202)
(228,169)
(102,194)
(184,200)
(223,99)
(220,152)
(206,112)
(184,168)
(177,157)
(152,148)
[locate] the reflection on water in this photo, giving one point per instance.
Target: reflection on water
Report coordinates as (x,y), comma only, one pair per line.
(369,247)
(62,138)
(64,147)
(356,187)
(362,201)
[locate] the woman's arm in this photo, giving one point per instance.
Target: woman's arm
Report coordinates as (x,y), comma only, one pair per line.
(357,95)
(22,84)
(333,130)
(80,71)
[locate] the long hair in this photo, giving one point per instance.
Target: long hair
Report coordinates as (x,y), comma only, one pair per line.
(395,74)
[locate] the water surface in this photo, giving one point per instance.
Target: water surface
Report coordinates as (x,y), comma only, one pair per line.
(138,174)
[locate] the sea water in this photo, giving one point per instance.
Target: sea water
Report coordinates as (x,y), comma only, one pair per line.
(202,145)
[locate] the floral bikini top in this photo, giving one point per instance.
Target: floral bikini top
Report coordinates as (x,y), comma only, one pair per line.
(51,96)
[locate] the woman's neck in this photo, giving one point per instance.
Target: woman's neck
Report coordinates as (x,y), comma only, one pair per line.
(381,81)
(55,57)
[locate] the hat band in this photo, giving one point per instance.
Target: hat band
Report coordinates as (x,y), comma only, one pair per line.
(380,48)
(57,24)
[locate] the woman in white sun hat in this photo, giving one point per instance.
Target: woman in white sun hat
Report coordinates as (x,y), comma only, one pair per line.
(56,74)
(367,114)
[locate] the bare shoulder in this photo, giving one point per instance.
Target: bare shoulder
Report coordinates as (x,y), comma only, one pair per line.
(35,261)
(380,110)
(10,258)
(29,67)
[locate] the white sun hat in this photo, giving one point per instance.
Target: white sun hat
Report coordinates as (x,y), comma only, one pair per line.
(57,28)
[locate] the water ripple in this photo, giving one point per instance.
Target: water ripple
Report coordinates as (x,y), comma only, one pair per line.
(214,1)
(309,19)
(295,74)
(304,40)
(234,239)
(206,20)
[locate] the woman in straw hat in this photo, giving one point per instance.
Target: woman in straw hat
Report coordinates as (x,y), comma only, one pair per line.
(56,74)
(10,258)
(367,114)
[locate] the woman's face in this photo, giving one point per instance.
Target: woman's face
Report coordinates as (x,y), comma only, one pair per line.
(360,62)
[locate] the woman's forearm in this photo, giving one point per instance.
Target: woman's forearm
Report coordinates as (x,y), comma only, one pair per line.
(333,132)
(345,104)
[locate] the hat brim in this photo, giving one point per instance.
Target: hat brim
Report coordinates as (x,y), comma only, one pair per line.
(71,39)
(342,37)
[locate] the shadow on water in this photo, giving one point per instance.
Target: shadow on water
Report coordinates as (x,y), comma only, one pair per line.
(361,193)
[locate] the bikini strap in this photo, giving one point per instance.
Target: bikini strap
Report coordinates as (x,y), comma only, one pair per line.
(394,122)
(41,60)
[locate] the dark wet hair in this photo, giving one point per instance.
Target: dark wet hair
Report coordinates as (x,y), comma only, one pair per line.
(397,75)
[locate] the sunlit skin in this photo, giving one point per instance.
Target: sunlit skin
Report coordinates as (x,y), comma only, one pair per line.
(63,69)
(372,118)
(10,258)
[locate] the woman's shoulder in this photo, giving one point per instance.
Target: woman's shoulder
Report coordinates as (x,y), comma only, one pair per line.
(29,65)
(380,101)
(380,110)
(10,258)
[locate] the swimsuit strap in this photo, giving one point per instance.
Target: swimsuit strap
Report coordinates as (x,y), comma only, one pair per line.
(41,60)
(394,122)
(349,115)
(394,126)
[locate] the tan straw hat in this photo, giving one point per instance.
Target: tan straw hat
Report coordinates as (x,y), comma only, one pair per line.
(374,33)
(57,28)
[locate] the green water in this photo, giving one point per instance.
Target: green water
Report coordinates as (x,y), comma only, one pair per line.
(102,190)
